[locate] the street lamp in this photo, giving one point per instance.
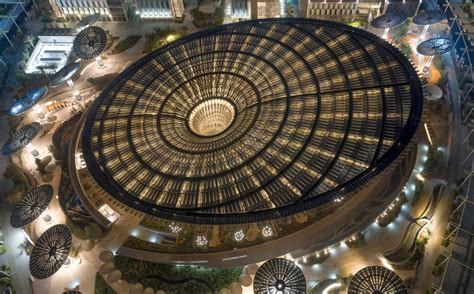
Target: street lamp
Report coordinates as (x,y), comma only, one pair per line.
(75,92)
(39,112)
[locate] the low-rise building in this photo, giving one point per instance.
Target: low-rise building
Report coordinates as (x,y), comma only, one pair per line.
(338,9)
(110,10)
(160,9)
(243,10)
(51,52)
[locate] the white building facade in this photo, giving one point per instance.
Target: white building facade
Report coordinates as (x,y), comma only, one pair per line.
(51,52)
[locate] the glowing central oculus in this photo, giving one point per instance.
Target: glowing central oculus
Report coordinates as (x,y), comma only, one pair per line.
(211,117)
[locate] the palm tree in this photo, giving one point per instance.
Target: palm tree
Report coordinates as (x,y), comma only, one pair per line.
(16,89)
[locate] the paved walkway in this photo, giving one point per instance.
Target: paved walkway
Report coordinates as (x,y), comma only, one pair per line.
(455,155)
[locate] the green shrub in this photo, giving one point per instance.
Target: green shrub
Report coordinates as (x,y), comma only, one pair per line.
(392,214)
(91,231)
(101,286)
(19,178)
(126,44)
(161,37)
(434,157)
(419,187)
(445,242)
(56,154)
(101,82)
(6,281)
(195,279)
(73,252)
(358,242)
(207,20)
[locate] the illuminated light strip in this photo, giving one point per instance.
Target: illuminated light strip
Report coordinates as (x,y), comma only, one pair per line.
(191,261)
(428,134)
(85,68)
(331,287)
(234,257)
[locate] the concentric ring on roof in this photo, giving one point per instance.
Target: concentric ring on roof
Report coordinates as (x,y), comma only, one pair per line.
(388,21)
(376,279)
(90,43)
(279,275)
(28,100)
(64,74)
(20,138)
(320,109)
(50,251)
(31,206)
(428,17)
(435,46)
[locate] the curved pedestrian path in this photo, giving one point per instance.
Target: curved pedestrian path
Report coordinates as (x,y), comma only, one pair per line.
(407,248)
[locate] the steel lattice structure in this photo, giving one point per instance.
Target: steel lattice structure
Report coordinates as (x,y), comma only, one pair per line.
(21,138)
(279,276)
(253,121)
(435,46)
(28,100)
(388,21)
(376,280)
(50,251)
(64,74)
(428,17)
(90,43)
(31,206)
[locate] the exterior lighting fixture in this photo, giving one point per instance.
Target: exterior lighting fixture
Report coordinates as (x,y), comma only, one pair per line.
(420,177)
(201,241)
(174,228)
(239,235)
(267,231)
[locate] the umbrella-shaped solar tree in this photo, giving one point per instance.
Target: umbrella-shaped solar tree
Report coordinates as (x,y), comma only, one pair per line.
(65,74)
(90,43)
(22,138)
(50,252)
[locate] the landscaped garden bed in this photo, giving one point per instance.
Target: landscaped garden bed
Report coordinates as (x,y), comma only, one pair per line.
(126,44)
(176,279)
